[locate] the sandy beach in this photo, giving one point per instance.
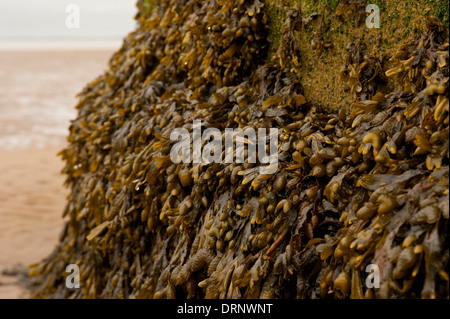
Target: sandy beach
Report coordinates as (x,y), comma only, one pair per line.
(37,99)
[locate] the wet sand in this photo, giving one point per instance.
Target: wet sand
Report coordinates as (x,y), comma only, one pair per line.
(32,199)
(37,102)
(38,94)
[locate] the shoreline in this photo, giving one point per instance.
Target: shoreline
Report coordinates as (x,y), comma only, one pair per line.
(39,115)
(59,46)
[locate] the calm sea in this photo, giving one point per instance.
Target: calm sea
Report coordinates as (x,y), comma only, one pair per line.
(38,88)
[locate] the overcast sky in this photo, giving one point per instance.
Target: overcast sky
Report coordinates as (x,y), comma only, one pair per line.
(46,19)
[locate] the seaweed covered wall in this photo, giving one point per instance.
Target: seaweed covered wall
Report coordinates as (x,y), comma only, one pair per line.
(362,183)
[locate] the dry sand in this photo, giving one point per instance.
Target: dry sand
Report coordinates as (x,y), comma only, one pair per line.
(37,99)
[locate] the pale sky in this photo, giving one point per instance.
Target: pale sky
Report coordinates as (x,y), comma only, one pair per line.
(24,20)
